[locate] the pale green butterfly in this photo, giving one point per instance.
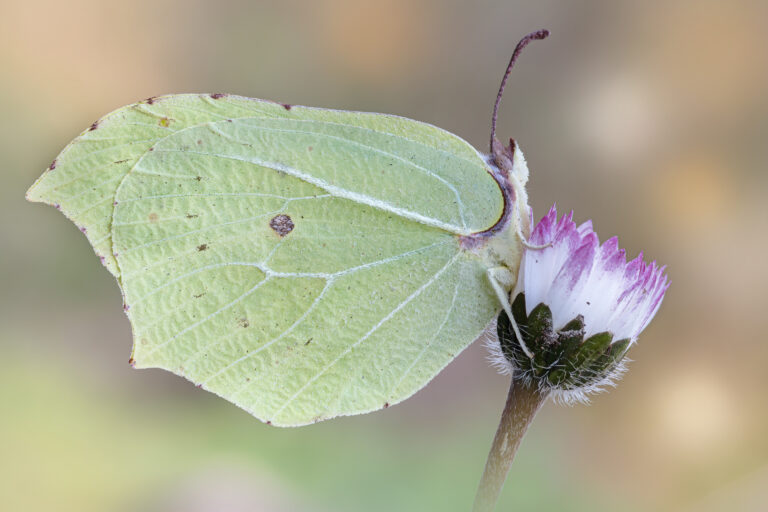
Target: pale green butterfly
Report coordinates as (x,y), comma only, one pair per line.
(302,263)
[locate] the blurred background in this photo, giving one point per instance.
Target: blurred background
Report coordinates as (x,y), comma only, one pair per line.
(650,118)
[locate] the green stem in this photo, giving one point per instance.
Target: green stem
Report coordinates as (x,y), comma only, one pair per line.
(523,402)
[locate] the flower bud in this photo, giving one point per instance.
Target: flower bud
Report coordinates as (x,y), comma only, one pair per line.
(577,307)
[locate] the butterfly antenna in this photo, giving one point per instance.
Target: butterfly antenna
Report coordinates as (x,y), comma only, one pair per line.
(539,34)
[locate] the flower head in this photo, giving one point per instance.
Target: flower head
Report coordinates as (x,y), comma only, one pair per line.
(577,306)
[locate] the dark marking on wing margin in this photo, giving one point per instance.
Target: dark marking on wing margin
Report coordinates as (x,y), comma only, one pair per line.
(281,224)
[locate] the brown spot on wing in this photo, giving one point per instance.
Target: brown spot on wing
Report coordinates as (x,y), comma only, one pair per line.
(218,95)
(93,126)
(202,247)
(153,217)
(281,224)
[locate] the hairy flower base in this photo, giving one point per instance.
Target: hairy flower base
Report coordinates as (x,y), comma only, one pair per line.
(563,362)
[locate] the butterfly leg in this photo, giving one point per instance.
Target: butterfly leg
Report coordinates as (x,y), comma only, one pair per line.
(524,240)
(502,279)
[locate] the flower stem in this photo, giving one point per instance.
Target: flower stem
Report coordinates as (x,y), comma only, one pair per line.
(523,402)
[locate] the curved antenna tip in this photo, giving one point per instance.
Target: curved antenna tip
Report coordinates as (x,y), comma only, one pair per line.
(533,36)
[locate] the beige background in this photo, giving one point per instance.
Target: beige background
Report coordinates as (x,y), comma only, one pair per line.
(648,117)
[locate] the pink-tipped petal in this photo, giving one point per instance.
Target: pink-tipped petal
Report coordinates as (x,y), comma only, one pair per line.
(575,275)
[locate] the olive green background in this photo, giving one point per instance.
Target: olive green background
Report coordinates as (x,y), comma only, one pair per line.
(648,117)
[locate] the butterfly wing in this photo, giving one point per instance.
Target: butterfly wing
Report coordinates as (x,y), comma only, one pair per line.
(302,263)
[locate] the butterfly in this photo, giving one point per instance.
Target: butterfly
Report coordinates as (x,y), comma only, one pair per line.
(302,263)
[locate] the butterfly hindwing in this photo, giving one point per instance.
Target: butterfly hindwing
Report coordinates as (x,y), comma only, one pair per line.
(302,263)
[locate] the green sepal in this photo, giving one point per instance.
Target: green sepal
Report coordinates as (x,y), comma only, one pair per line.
(518,309)
(510,345)
(619,349)
(562,358)
(570,337)
(542,341)
(591,349)
(607,361)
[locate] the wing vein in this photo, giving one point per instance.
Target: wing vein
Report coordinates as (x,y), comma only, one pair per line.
(340,192)
(201,230)
(446,183)
(219,194)
(428,344)
(389,134)
(369,333)
(266,345)
(203,320)
(329,277)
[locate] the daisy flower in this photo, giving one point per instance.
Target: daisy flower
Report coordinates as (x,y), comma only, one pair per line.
(577,307)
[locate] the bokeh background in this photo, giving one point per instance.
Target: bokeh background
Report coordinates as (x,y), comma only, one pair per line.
(649,117)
